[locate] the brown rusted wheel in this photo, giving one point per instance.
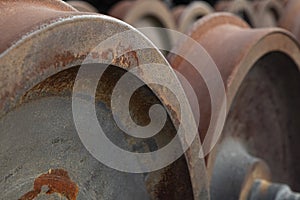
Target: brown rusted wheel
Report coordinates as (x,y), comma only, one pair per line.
(259,142)
(42,46)
(242,8)
(185,16)
(290,18)
(147,13)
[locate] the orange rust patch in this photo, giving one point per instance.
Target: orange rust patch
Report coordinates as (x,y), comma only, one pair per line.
(58,181)
(264,186)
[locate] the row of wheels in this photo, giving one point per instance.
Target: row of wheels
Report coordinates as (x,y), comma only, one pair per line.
(64,67)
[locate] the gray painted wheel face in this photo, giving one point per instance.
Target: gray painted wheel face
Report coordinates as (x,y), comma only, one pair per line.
(52,143)
(40,135)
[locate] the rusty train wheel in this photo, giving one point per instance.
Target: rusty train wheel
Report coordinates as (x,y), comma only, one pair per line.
(41,154)
(185,16)
(145,13)
(260,70)
(241,8)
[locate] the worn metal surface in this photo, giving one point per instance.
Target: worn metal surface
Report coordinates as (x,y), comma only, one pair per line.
(13,14)
(241,8)
(246,177)
(290,18)
(239,170)
(38,66)
(260,70)
(264,190)
(185,16)
(147,13)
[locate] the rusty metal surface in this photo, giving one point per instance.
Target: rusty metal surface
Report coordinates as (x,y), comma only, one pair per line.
(13,14)
(290,18)
(37,71)
(45,42)
(177,12)
(57,181)
(185,16)
(133,12)
(260,70)
(241,8)
(147,13)
(195,79)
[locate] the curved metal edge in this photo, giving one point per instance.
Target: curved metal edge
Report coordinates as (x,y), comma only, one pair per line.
(55,4)
(211,21)
(290,18)
(261,8)
(139,9)
(37,13)
(253,49)
(192,12)
(275,40)
(235,6)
